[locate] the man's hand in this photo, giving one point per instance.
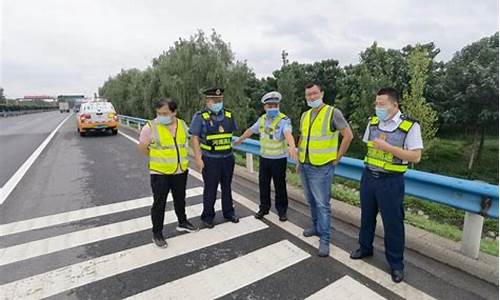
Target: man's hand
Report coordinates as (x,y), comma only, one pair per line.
(380,144)
(199,163)
(237,142)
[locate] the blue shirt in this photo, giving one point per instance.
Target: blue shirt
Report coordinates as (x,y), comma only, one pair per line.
(198,128)
(284,125)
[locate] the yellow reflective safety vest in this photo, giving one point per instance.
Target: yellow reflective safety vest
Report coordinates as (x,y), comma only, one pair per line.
(270,145)
(219,134)
(378,160)
(167,152)
(317,141)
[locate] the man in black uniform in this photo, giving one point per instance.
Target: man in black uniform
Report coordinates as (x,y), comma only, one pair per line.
(212,131)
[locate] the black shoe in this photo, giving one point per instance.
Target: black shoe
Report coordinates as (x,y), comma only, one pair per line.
(358,254)
(260,214)
(208,224)
(283,218)
(233,219)
(160,241)
(397,275)
(309,232)
(186,226)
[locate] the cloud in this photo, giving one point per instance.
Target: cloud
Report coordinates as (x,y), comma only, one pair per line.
(56,46)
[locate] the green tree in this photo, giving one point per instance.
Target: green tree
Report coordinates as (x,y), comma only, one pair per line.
(472,88)
(181,73)
(359,83)
(2,96)
(413,101)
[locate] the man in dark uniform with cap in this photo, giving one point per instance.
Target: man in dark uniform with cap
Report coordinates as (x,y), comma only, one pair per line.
(212,130)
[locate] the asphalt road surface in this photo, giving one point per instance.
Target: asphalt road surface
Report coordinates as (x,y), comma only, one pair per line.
(76,225)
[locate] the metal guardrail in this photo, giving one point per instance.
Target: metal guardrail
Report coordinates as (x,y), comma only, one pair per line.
(477,199)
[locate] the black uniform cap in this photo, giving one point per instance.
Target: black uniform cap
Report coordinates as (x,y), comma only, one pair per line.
(213,92)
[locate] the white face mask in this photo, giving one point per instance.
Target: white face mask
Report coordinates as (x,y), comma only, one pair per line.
(165,120)
(382,113)
(316,103)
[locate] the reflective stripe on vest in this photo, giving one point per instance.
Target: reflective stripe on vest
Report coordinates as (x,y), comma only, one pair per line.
(217,141)
(269,144)
(384,161)
(167,152)
(317,139)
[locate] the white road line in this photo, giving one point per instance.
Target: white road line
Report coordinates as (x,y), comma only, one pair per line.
(230,276)
(84,213)
(86,236)
(76,275)
(129,137)
(11,184)
(383,278)
(345,288)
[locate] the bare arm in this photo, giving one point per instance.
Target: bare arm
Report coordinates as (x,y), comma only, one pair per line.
(292,150)
(195,142)
(297,167)
(289,139)
(248,133)
(143,148)
(413,156)
(347,137)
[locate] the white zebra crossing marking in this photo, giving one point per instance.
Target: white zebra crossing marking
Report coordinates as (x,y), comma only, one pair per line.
(84,213)
(402,289)
(86,236)
(79,274)
(229,276)
(345,288)
(383,278)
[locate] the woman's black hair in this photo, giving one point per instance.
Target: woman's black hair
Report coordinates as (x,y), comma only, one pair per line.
(172,105)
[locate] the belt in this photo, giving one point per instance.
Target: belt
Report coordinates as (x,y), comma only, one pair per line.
(377,174)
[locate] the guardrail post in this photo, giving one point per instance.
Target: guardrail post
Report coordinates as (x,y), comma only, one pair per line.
(139,126)
(471,239)
(249,157)
(127,122)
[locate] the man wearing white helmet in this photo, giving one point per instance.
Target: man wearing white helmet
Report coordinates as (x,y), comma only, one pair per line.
(275,130)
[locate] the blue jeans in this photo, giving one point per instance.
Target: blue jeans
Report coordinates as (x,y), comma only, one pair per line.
(317,182)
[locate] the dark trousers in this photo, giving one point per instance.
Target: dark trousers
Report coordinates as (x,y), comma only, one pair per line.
(274,169)
(217,170)
(384,194)
(162,185)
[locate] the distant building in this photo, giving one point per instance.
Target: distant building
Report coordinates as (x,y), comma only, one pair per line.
(38,98)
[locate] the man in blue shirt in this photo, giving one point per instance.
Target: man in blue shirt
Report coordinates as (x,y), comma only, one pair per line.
(275,131)
(211,135)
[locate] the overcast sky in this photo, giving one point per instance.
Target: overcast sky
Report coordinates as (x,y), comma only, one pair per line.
(72,46)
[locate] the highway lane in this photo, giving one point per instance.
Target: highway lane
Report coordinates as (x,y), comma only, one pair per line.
(20,136)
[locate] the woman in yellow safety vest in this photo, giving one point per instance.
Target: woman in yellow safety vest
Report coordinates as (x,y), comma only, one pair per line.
(165,141)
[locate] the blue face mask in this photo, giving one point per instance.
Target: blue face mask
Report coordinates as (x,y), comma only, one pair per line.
(382,113)
(165,120)
(216,107)
(272,112)
(315,104)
